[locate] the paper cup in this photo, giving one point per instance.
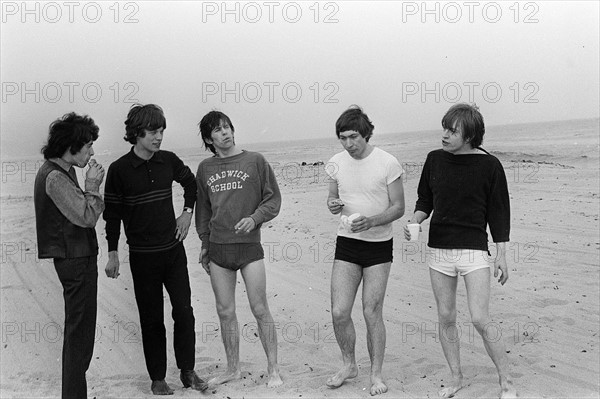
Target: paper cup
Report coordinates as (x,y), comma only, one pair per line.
(352,217)
(347,221)
(413,229)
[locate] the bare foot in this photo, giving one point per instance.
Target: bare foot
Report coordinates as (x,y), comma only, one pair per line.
(346,372)
(225,377)
(508,391)
(160,387)
(274,379)
(449,391)
(378,386)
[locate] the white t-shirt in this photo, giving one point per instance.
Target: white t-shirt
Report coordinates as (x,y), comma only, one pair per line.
(363,186)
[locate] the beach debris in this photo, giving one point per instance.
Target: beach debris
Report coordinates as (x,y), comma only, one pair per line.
(317,163)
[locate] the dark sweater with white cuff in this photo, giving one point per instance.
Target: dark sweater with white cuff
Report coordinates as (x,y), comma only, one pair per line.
(466,193)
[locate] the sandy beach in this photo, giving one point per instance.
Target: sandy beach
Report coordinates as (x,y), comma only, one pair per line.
(548,314)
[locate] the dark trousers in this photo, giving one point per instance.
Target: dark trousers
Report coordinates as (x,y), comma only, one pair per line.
(79,278)
(150,271)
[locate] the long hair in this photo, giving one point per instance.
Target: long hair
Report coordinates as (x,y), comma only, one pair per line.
(143,117)
(71,132)
(469,119)
(210,122)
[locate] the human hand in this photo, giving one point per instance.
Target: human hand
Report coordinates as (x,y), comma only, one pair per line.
(361,223)
(95,171)
(500,263)
(203,260)
(335,205)
(245,226)
(182,225)
(112,267)
(407,235)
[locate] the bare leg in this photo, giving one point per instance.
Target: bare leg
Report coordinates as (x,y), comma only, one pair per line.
(256,286)
(375,280)
(478,296)
(223,283)
(345,278)
(444,291)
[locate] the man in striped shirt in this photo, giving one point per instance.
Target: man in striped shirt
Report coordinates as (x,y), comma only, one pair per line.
(139,193)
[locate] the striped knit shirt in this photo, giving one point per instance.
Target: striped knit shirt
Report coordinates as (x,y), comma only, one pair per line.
(139,192)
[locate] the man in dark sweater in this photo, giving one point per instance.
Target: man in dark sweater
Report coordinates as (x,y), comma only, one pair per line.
(139,193)
(465,187)
(66,217)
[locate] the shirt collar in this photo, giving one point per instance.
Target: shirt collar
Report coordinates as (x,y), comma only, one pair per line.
(137,161)
(62,163)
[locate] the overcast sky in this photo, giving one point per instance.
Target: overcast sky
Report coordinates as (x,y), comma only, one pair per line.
(286,70)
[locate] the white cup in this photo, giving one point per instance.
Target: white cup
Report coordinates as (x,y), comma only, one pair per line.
(413,229)
(347,221)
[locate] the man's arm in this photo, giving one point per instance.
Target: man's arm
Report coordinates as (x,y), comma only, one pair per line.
(500,263)
(499,220)
(203,210)
(498,206)
(185,177)
(203,215)
(82,208)
(395,211)
(270,204)
(334,204)
(113,196)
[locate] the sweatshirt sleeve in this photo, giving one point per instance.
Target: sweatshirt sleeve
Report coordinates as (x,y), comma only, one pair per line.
(425,195)
(498,208)
(113,198)
(203,212)
(270,204)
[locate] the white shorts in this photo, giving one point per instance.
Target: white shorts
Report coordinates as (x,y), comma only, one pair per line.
(454,261)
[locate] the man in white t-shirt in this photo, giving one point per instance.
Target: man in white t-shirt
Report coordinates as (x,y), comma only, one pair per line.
(366,188)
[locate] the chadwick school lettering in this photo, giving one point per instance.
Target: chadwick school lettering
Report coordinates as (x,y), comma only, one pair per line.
(216,183)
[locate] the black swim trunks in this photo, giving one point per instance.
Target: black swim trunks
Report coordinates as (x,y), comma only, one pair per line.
(363,253)
(235,256)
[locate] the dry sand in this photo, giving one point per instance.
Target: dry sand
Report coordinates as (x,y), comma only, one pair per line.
(547,314)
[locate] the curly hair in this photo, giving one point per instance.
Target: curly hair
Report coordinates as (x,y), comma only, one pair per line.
(71,132)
